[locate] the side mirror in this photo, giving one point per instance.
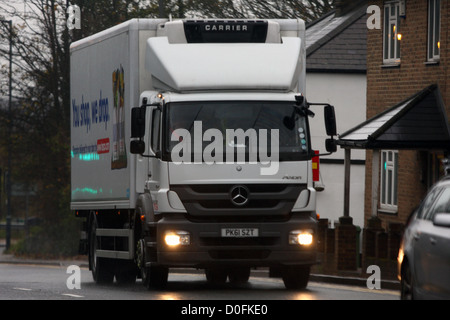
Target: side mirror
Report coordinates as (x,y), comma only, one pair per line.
(138,122)
(330,120)
(137,147)
(442,220)
(330,126)
(137,130)
(330,145)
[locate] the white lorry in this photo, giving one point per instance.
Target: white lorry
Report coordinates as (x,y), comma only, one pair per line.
(190,147)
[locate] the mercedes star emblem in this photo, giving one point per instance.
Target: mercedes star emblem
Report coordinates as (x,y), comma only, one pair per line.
(239,195)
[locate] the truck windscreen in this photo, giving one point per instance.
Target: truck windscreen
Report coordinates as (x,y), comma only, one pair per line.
(216,129)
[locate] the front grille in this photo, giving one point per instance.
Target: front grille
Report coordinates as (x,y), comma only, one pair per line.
(239,254)
(230,242)
(264,202)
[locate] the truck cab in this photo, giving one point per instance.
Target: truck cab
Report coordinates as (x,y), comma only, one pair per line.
(234,193)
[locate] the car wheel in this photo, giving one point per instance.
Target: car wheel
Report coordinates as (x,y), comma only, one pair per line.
(406,284)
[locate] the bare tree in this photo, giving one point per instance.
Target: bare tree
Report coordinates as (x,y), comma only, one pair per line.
(41,136)
(306,9)
(41,63)
(41,73)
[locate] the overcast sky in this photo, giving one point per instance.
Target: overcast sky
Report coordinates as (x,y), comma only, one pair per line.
(9,10)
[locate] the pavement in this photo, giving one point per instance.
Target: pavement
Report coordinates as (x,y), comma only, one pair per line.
(353,279)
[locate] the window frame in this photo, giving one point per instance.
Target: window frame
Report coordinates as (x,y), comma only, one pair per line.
(155,139)
(388,198)
(391,44)
(434,27)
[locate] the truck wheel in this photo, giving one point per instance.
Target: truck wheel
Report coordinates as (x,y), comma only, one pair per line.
(239,275)
(102,268)
(154,277)
(125,272)
(295,277)
(216,276)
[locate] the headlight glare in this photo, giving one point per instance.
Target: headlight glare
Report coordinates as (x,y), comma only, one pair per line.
(301,237)
(177,238)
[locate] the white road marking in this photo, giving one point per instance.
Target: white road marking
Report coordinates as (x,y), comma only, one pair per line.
(22,289)
(72,295)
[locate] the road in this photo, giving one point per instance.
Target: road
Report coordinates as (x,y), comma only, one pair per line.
(30,282)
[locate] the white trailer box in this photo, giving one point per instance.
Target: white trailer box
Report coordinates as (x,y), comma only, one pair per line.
(107,77)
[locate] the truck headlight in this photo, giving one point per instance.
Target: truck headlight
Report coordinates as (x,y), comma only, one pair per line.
(301,237)
(177,238)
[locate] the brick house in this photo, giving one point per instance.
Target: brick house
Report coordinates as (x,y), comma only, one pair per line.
(407,133)
(409,53)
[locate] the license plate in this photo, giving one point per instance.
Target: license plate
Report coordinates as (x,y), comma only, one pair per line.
(240,232)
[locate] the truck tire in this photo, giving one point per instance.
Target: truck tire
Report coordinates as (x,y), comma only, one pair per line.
(295,277)
(155,277)
(239,275)
(102,268)
(126,272)
(216,276)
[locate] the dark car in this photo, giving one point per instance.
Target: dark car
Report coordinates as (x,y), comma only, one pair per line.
(424,255)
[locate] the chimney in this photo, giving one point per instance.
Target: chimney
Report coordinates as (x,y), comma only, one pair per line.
(345,6)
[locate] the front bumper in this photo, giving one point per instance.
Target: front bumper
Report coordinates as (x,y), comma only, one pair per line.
(207,246)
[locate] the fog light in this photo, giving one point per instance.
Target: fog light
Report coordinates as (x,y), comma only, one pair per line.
(176,238)
(301,237)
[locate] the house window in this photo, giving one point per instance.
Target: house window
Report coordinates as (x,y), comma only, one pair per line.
(391,35)
(434,30)
(434,169)
(389,181)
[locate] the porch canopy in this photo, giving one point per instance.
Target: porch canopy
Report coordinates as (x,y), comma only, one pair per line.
(417,123)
